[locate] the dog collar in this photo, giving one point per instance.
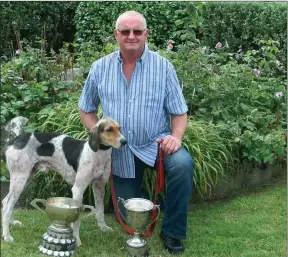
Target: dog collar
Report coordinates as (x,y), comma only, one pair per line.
(104,147)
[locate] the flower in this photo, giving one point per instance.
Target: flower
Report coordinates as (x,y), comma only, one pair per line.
(18,51)
(170,46)
(279,94)
(218,45)
(256,72)
(277,62)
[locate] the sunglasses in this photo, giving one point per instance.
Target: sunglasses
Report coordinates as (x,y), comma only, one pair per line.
(136,32)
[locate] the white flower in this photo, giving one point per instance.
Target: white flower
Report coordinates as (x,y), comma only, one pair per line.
(256,72)
(18,51)
(279,94)
(277,62)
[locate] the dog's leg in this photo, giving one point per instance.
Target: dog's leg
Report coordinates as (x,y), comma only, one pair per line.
(17,184)
(98,187)
(78,190)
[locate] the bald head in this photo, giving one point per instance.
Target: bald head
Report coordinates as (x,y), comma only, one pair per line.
(130,14)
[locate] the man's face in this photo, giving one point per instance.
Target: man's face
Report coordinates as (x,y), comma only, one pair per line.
(131,34)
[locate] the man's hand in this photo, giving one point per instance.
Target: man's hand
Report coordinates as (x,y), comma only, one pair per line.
(169,144)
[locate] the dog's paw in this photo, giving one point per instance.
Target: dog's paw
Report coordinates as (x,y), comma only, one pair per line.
(78,242)
(16,223)
(105,228)
(8,239)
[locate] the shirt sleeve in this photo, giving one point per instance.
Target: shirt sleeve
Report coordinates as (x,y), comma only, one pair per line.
(174,101)
(89,98)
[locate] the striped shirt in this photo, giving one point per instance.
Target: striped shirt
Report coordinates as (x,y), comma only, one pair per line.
(142,107)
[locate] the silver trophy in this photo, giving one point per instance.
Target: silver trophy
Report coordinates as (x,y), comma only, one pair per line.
(138,218)
(62,211)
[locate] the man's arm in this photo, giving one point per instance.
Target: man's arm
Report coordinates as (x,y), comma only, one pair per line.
(179,125)
(89,119)
(171,144)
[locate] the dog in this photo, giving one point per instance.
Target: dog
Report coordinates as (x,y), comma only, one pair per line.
(79,162)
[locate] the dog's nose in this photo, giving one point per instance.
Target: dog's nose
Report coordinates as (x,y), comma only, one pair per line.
(123,141)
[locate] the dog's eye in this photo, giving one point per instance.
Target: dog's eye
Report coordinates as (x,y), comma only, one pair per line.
(110,129)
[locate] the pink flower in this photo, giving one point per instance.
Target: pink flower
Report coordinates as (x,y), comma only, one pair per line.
(279,94)
(170,46)
(218,45)
(256,72)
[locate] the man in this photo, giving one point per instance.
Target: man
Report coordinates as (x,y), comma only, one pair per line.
(140,90)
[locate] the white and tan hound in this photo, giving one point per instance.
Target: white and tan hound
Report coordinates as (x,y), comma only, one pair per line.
(78,162)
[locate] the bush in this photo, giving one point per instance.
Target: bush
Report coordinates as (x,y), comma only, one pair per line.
(242,25)
(52,21)
(31,81)
(224,89)
(95,21)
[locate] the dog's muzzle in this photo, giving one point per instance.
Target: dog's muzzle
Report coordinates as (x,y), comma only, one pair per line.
(123,141)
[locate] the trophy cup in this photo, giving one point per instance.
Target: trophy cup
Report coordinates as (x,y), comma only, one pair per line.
(62,211)
(138,216)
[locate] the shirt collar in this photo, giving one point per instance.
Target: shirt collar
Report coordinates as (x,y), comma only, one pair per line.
(141,59)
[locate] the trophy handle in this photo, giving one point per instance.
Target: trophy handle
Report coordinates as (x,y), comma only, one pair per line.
(158,208)
(122,200)
(34,204)
(92,209)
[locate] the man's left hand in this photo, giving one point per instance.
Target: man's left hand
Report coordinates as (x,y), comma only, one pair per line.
(169,144)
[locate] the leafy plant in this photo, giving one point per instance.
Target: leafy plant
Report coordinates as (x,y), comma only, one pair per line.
(31,81)
(211,153)
(160,18)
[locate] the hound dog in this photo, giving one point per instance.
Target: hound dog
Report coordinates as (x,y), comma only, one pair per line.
(78,162)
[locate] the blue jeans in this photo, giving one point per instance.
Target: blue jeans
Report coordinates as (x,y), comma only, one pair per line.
(179,182)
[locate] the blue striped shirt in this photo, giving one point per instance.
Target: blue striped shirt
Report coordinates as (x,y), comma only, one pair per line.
(142,107)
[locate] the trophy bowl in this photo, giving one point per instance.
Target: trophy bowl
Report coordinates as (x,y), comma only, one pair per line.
(138,213)
(138,217)
(62,211)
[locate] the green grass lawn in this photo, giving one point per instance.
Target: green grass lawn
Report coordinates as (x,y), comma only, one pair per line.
(251,225)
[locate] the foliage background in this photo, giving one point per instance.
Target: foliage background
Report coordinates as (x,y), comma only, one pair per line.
(25,19)
(248,128)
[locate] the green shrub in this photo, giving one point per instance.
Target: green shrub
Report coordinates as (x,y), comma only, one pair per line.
(242,25)
(212,154)
(52,21)
(222,88)
(31,81)
(95,21)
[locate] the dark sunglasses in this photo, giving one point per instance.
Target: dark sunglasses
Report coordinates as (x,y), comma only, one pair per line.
(136,32)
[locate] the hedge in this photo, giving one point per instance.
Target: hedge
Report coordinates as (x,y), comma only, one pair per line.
(95,21)
(243,24)
(240,24)
(27,20)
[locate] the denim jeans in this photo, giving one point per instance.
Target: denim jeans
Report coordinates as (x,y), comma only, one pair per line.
(179,182)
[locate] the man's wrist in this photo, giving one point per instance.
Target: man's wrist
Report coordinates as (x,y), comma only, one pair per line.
(178,137)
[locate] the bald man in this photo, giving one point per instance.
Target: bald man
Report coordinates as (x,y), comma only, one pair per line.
(140,90)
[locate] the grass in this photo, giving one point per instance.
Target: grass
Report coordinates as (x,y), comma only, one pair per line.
(251,225)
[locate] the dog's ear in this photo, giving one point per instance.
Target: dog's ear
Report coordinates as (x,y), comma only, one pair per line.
(94,138)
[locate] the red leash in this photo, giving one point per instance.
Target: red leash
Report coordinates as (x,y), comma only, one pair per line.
(160,182)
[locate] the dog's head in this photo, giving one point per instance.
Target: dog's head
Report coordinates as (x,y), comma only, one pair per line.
(106,133)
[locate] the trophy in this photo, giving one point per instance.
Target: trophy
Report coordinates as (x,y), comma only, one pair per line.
(62,211)
(138,216)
